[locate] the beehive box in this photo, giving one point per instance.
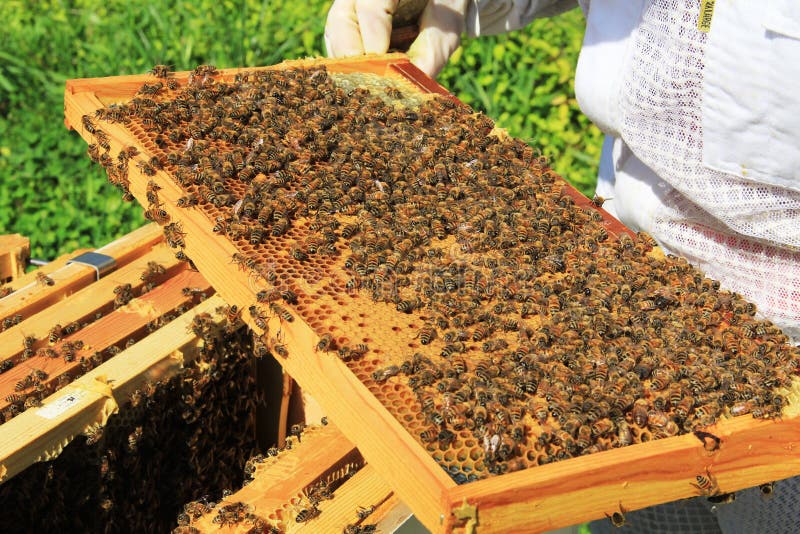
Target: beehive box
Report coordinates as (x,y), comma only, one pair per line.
(511,281)
(150,401)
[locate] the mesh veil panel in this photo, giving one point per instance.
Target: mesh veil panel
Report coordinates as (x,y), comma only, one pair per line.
(741,232)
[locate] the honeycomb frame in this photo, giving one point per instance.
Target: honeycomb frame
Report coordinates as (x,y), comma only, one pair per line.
(562,492)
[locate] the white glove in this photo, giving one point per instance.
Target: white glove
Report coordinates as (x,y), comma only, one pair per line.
(364,26)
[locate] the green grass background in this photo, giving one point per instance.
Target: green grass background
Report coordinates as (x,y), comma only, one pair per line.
(51,192)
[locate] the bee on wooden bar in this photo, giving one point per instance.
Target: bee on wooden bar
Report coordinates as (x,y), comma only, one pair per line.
(55,333)
(281,312)
(188,201)
(364,512)
(151,192)
(88,124)
(306,514)
(28,341)
(157,214)
(259,317)
(102,139)
(151,88)
(618,518)
(47,352)
(296,430)
(706,484)
(9,322)
(152,270)
(146,167)
(232,315)
(44,280)
(160,71)
(69,350)
(326,343)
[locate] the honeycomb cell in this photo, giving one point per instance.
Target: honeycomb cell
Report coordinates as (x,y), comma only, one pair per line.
(475,453)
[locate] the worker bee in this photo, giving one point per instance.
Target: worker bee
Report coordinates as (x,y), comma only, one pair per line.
(326,343)
(407,306)
(55,333)
(44,280)
(307,514)
(152,270)
(188,201)
(133,439)
(151,88)
(93,434)
(706,484)
(281,312)
(618,518)
(232,315)
(280,350)
(157,214)
(160,71)
(146,167)
(5,365)
(381,375)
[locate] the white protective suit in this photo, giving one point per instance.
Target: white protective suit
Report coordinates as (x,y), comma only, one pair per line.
(704,130)
(703,153)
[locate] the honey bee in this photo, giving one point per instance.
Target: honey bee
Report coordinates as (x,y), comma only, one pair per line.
(307,514)
(381,375)
(5,365)
(188,201)
(133,439)
(157,214)
(232,315)
(706,484)
(618,518)
(152,270)
(407,306)
(160,71)
(280,350)
(281,312)
(55,333)
(151,88)
(44,280)
(767,490)
(326,343)
(146,167)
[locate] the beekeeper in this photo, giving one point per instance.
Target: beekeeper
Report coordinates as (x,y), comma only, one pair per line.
(700,103)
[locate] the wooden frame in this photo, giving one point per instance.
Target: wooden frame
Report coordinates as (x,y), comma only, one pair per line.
(750,452)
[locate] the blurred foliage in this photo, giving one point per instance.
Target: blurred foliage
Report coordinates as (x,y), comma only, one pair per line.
(50,190)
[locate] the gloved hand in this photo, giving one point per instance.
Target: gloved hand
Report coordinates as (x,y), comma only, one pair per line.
(364,26)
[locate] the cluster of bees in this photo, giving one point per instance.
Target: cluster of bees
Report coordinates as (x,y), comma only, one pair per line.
(542,336)
(153,456)
(300,510)
(32,388)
